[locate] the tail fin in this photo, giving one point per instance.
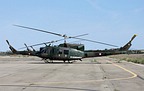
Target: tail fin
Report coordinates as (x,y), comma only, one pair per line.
(11,48)
(128,45)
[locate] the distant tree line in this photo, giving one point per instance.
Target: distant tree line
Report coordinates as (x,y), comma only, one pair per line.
(6,53)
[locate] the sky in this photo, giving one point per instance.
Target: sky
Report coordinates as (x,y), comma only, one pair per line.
(108,21)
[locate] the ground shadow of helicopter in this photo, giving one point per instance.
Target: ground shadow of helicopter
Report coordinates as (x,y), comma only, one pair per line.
(67,51)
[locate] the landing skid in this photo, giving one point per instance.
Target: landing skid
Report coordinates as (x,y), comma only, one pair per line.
(51,61)
(48,61)
(68,61)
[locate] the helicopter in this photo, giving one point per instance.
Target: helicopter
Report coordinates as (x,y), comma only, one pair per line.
(71,52)
(64,51)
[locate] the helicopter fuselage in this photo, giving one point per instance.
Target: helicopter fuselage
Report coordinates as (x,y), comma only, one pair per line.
(60,53)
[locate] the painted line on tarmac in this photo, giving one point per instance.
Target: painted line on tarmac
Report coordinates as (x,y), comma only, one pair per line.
(82,81)
(88,81)
(133,74)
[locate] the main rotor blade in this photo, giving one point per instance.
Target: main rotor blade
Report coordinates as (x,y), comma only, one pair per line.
(39,30)
(54,41)
(58,40)
(96,42)
(43,43)
(78,35)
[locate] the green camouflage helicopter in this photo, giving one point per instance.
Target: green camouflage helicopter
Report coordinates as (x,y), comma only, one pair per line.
(66,51)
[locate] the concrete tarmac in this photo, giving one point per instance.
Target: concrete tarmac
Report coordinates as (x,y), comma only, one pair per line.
(92,74)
